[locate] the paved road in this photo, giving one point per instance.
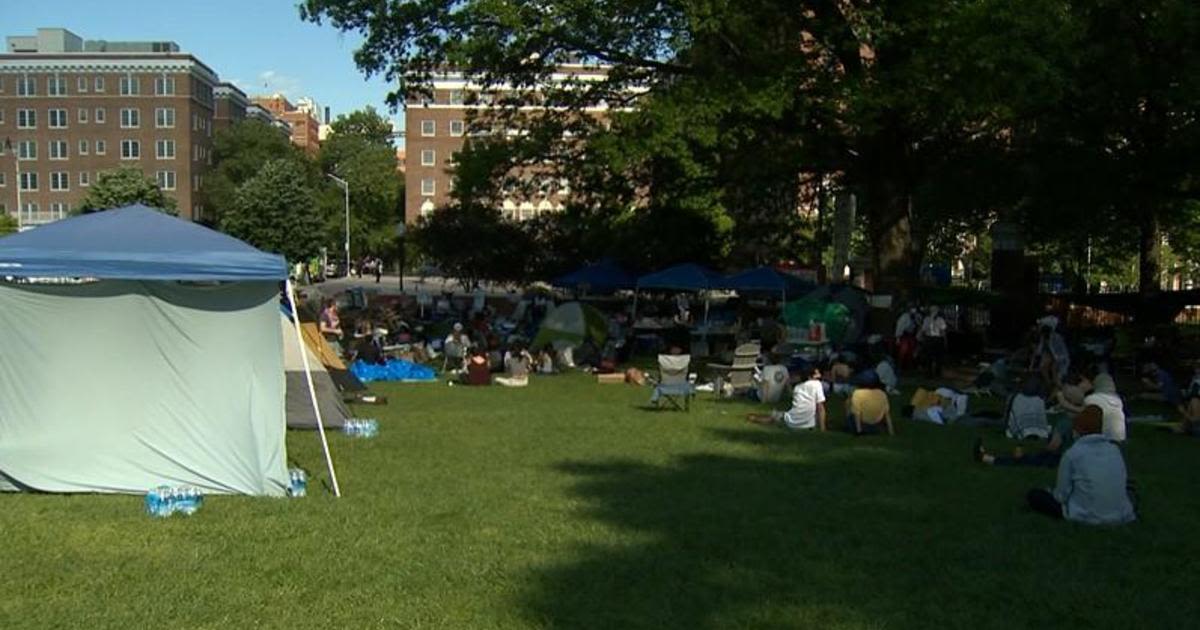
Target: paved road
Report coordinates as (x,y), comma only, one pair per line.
(390,285)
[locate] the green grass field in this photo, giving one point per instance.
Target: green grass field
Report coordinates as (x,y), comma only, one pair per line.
(568,505)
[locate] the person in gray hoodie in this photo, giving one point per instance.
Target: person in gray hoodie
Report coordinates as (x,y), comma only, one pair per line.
(1092,484)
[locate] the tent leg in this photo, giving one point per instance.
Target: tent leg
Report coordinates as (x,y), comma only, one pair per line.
(312,390)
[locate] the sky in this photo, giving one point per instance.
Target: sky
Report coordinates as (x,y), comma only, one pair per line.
(262,46)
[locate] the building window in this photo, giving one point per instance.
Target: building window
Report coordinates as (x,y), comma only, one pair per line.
(82,116)
(428,157)
(131,150)
(26,86)
(428,128)
(58,149)
(81,84)
(164,117)
(60,181)
(28,181)
(130,85)
(1,116)
(101,147)
(457,128)
(166,180)
(131,118)
(58,119)
(3,179)
(26,119)
(165,149)
(428,187)
(83,147)
(27,150)
(426,208)
(98,84)
(56,86)
(164,86)
(456,97)
(32,208)
(100,115)
(85,179)
(1,85)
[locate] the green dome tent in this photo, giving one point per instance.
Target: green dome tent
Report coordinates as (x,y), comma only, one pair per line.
(842,309)
(572,322)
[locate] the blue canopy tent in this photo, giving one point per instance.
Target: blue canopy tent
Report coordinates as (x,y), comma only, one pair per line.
(155,358)
(766,280)
(682,277)
(605,276)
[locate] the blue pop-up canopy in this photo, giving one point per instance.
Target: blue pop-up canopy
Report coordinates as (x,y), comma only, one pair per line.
(766,279)
(134,243)
(604,276)
(684,277)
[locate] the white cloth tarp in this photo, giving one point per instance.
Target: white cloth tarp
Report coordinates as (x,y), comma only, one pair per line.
(123,385)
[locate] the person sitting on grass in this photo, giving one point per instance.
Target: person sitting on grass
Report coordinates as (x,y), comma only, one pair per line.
(1050,357)
(1092,485)
(330,325)
(545,360)
(1026,414)
(479,370)
(1155,377)
(1104,395)
(808,406)
(517,363)
(1074,389)
(1060,440)
(868,407)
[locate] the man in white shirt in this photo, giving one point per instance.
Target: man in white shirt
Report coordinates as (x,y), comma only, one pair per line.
(933,341)
(808,407)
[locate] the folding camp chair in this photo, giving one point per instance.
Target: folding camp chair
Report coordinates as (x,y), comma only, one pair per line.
(737,376)
(673,384)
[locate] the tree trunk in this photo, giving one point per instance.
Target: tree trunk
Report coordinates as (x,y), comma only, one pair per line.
(1149,253)
(893,248)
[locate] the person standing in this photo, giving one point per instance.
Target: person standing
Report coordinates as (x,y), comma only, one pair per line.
(932,337)
(378,265)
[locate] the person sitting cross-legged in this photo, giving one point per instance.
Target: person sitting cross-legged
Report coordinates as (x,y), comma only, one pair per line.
(517,363)
(808,406)
(1092,485)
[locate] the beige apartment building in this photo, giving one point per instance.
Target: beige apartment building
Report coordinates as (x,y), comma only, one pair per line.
(436,128)
(71,109)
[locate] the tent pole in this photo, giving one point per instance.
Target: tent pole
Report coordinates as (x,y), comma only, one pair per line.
(312,391)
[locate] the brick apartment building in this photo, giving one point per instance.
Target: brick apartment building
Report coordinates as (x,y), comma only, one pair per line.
(305,130)
(437,127)
(71,109)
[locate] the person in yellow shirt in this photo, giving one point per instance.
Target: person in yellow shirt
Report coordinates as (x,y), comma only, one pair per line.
(868,409)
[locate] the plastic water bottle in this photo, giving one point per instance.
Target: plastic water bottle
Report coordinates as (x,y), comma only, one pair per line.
(361,428)
(299,483)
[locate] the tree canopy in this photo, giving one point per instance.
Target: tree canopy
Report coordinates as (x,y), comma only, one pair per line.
(274,211)
(122,187)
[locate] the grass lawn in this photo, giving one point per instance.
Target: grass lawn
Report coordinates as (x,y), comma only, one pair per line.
(568,505)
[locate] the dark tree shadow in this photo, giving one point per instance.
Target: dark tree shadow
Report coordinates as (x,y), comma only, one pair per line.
(857,533)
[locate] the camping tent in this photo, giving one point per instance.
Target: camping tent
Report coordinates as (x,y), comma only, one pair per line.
(572,322)
(341,375)
(300,414)
(766,280)
(162,364)
(842,308)
(605,276)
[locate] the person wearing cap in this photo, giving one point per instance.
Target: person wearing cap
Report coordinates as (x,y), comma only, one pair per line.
(868,407)
(1092,484)
(456,345)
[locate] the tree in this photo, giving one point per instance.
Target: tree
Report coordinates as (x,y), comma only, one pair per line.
(360,151)
(122,187)
(274,211)
(239,152)
(8,224)
(472,243)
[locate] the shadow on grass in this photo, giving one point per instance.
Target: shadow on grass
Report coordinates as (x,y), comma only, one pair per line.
(830,533)
(722,541)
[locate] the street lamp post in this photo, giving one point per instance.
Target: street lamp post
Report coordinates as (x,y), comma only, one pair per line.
(345,188)
(8,147)
(401,228)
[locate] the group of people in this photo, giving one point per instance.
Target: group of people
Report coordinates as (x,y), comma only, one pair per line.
(921,337)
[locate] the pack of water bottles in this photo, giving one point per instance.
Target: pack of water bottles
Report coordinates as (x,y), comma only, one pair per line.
(361,427)
(164,501)
(298,483)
